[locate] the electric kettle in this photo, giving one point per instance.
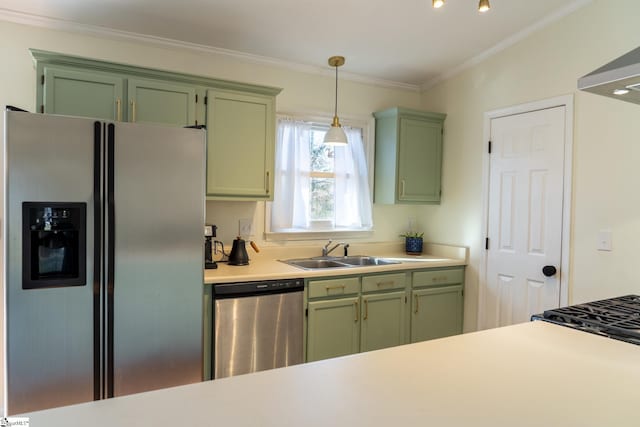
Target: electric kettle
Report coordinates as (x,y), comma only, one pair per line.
(238,255)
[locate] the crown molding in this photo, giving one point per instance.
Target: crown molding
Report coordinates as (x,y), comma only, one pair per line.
(96,31)
(504,44)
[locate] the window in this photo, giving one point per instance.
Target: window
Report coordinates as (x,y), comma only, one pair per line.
(319,188)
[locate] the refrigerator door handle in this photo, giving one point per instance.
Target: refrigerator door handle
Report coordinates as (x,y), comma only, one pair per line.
(97,259)
(111,233)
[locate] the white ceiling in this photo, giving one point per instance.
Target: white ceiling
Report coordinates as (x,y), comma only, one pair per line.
(404,42)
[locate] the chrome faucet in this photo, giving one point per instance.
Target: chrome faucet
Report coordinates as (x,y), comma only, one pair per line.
(326,250)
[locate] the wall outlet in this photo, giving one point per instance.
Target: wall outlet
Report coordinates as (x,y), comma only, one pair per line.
(245,227)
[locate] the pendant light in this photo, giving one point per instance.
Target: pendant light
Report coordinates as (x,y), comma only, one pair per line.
(335,135)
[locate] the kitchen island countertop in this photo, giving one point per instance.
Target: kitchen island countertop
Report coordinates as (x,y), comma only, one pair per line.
(531,374)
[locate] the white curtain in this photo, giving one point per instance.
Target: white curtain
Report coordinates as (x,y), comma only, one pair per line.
(290,210)
(290,207)
(353,196)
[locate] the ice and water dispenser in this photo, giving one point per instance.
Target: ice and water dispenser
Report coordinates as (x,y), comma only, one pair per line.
(53,244)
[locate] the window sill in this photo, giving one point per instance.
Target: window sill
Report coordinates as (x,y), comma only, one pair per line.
(318,235)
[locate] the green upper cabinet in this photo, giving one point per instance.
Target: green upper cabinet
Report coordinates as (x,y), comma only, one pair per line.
(240,145)
(240,117)
(81,93)
(408,159)
(153,101)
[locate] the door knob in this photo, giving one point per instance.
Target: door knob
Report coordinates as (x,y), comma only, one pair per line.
(549,270)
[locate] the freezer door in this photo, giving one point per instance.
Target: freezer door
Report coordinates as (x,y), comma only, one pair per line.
(156,224)
(49,331)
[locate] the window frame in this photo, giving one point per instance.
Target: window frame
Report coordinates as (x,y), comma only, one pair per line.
(367,124)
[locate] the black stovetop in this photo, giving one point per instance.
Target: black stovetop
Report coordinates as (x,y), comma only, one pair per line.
(617,318)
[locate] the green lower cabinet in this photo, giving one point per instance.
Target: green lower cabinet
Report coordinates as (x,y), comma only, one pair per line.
(383,320)
(82,93)
(436,312)
(333,328)
(207,333)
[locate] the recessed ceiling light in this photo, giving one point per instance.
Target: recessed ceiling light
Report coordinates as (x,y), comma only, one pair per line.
(621,91)
(437,3)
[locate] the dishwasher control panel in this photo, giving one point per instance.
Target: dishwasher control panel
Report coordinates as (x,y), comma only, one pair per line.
(240,289)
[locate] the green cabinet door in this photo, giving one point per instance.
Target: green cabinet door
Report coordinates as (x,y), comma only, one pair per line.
(240,146)
(419,161)
(408,163)
(82,93)
(383,320)
(436,312)
(154,101)
(333,328)
(207,331)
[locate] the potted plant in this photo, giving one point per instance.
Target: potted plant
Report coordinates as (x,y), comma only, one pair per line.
(413,242)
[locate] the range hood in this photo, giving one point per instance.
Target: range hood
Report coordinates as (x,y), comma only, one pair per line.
(619,79)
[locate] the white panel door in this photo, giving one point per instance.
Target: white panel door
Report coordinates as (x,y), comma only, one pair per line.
(525,215)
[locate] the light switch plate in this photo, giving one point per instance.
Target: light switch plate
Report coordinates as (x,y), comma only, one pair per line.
(245,227)
(604,240)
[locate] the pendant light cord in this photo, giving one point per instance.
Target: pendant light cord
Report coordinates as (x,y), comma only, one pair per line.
(335,111)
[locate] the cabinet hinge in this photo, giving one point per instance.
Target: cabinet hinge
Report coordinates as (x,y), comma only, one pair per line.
(405,299)
(196,123)
(489,147)
(196,98)
(486,243)
(42,108)
(306,312)
(42,80)
(206,100)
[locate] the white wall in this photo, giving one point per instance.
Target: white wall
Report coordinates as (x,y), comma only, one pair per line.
(606,144)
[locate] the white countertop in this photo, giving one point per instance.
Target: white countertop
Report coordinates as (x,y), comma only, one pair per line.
(532,374)
(266,265)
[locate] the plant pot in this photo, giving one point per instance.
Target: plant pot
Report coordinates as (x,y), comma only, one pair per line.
(413,245)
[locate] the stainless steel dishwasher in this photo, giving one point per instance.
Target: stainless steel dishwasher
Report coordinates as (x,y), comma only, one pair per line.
(257,326)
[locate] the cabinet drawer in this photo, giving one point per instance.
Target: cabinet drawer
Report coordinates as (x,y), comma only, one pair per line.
(333,287)
(438,277)
(383,282)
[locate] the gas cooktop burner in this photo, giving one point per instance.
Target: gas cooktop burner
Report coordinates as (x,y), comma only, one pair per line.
(617,318)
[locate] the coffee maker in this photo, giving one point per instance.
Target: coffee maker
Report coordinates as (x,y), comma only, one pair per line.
(209,234)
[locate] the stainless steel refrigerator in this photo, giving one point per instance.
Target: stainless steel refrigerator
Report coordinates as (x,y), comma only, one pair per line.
(103,261)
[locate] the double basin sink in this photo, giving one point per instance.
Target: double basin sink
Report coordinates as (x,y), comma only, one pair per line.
(338,262)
